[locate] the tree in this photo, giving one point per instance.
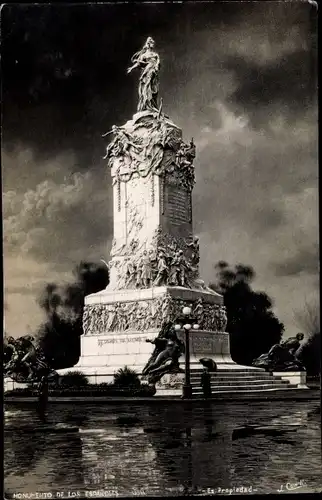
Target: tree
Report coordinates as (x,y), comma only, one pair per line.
(311,355)
(59,335)
(253,327)
(308,319)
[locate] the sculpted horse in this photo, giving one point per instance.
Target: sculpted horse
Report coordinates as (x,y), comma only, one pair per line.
(25,362)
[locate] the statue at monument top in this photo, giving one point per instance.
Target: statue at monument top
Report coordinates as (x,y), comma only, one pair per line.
(149,62)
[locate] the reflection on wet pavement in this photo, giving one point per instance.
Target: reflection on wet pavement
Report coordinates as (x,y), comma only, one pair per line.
(165,450)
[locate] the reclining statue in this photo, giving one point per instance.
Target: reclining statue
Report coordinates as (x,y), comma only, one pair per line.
(165,357)
(282,357)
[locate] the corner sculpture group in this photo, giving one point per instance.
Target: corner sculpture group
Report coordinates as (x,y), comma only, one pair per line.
(285,356)
(25,362)
(129,147)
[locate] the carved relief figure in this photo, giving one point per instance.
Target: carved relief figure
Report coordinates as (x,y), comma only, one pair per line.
(194,246)
(199,311)
(131,314)
(149,63)
(184,161)
(181,156)
(121,144)
(142,316)
(130,271)
(174,270)
(182,268)
(144,270)
(191,151)
(117,250)
(162,268)
(165,310)
(112,317)
(222,319)
(122,317)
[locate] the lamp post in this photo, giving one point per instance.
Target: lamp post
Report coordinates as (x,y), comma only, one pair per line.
(185,322)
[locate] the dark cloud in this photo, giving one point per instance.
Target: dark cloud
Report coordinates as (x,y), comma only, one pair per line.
(286,85)
(239,77)
(64,67)
(305,261)
(53,221)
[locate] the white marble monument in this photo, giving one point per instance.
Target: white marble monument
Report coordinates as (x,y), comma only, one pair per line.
(154,264)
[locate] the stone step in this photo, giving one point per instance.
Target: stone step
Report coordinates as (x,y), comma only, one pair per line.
(243,388)
(242,383)
(226,373)
(216,378)
(258,390)
(234,379)
(240,379)
(227,368)
(236,371)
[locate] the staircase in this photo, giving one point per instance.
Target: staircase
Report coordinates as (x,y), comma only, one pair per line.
(239,380)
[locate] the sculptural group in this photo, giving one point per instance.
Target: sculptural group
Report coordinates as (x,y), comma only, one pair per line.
(161,265)
(166,267)
(165,357)
(283,357)
(160,151)
(150,142)
(25,361)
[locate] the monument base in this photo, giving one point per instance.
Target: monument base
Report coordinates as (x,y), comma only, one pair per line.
(118,323)
(103,355)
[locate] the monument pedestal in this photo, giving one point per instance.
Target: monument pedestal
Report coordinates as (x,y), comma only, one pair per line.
(117,324)
(102,355)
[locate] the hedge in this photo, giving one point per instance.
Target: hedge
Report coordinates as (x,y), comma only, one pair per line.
(90,390)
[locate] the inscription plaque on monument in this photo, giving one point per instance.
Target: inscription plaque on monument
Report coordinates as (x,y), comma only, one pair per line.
(178,206)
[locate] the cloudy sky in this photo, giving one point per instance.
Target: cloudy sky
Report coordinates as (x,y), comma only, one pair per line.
(238,77)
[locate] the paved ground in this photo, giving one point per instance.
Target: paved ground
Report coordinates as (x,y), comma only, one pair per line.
(292,394)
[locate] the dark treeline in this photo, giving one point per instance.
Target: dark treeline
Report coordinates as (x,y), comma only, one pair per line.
(252,325)
(59,335)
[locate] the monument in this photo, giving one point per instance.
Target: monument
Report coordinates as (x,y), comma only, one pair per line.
(154,260)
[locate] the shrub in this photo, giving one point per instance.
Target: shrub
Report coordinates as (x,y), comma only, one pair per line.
(126,378)
(104,385)
(19,391)
(74,379)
